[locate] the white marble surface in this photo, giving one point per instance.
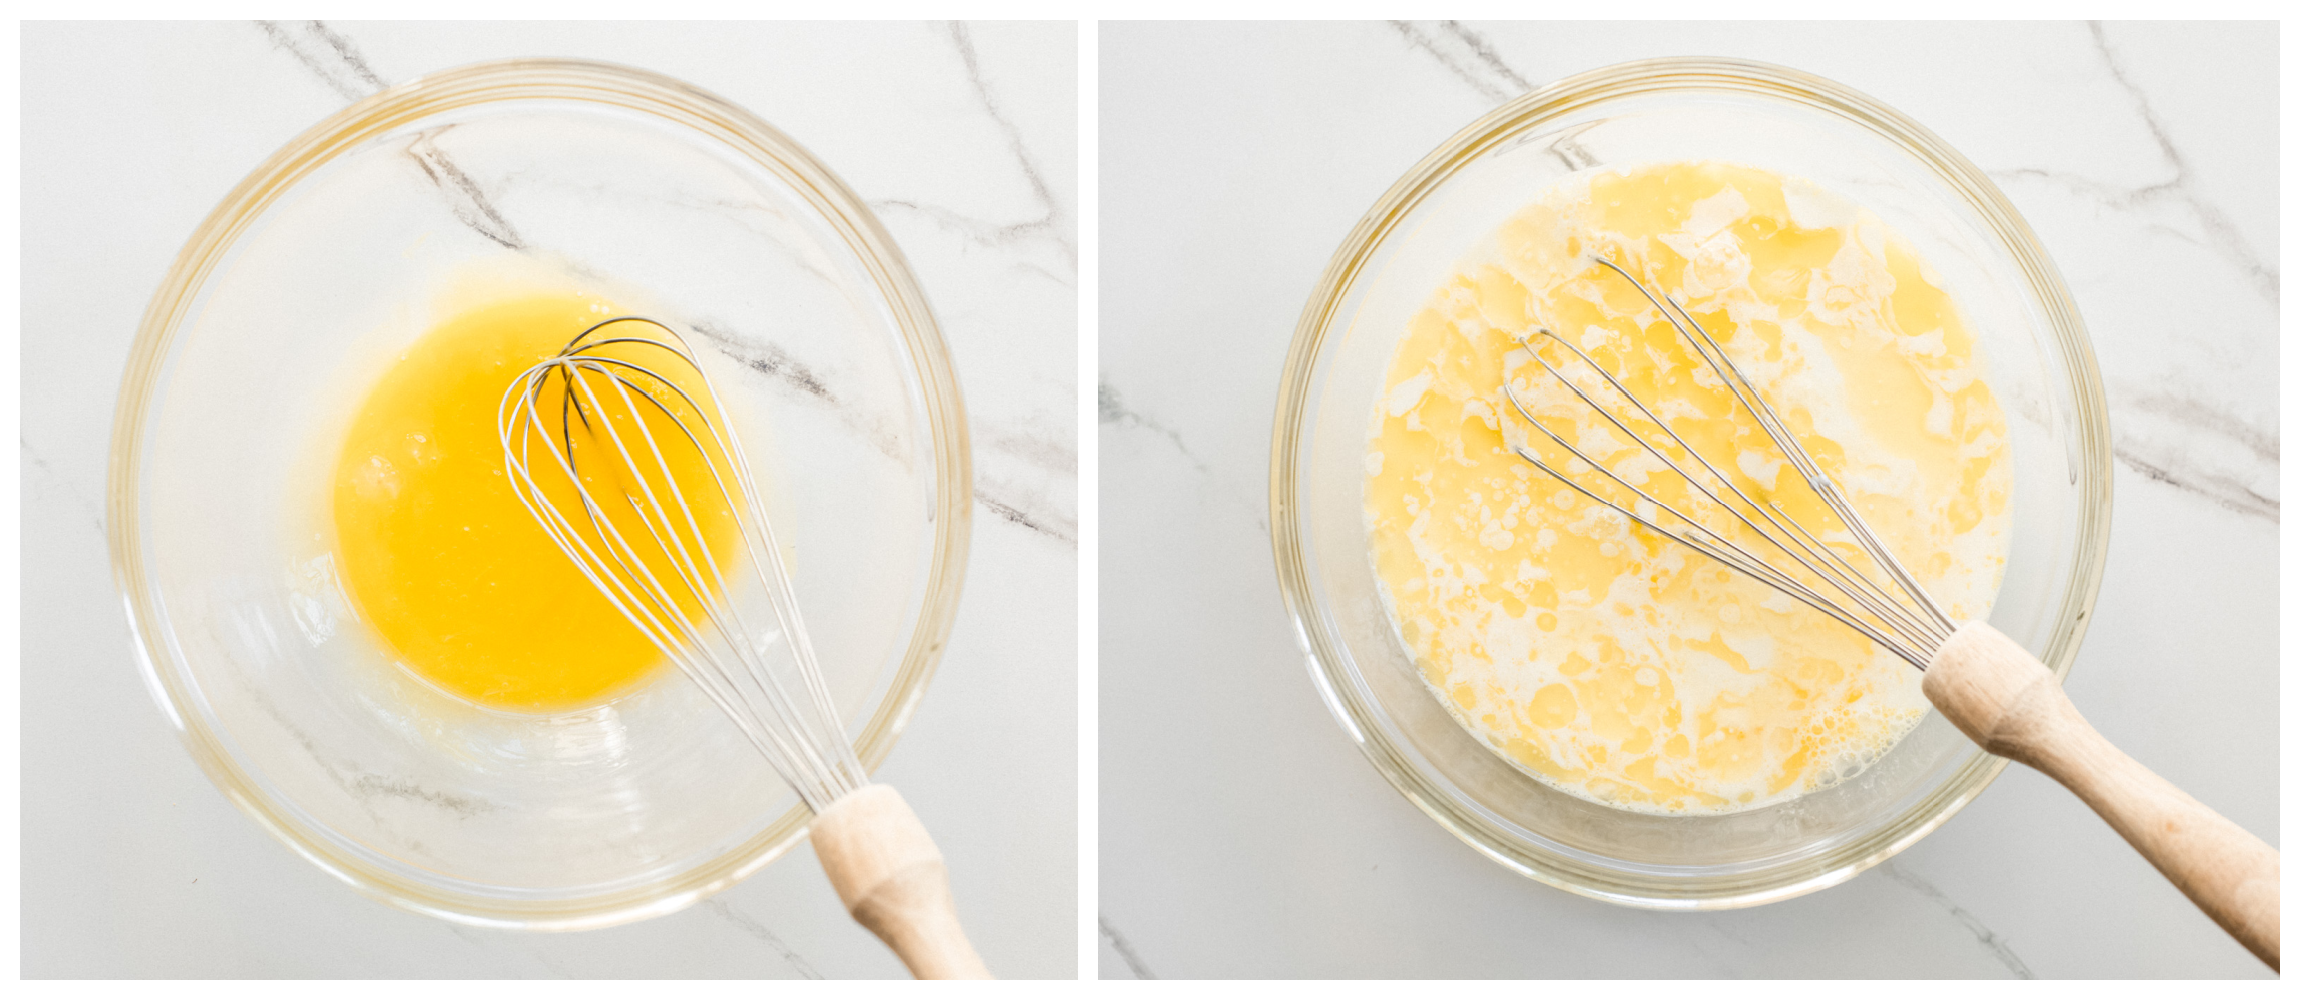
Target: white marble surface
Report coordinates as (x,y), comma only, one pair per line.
(963,138)
(1241,832)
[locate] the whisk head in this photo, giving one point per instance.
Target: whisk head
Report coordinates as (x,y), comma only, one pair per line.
(622,451)
(1719,519)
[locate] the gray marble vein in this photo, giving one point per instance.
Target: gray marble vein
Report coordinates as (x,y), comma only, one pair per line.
(992,235)
(744,213)
(2191,446)
(1110,408)
(792,376)
(465,198)
(367,787)
(1044,451)
(1468,56)
(1018,497)
(2165,432)
(2220,490)
(2219,231)
(346,774)
(1989,939)
(332,57)
(768,360)
(1475,60)
(328,55)
(374,785)
(1012,513)
(742,921)
(1125,950)
(1111,411)
(1055,224)
(1024,474)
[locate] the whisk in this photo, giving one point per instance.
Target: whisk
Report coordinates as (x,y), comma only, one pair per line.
(640,481)
(1985,683)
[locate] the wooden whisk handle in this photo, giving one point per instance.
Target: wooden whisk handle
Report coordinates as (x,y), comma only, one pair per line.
(2009,704)
(890,876)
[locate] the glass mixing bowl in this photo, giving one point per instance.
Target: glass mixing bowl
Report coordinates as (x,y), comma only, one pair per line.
(2039,362)
(303,286)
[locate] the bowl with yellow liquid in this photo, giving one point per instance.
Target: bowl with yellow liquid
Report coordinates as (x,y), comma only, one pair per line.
(362,636)
(1597,708)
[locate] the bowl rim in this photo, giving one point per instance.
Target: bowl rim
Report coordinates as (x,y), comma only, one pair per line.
(511,80)
(1514,118)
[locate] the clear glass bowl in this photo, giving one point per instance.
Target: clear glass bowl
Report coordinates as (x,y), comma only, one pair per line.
(303,285)
(2040,364)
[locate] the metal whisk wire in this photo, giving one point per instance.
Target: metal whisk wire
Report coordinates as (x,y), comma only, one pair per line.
(1895,613)
(785,712)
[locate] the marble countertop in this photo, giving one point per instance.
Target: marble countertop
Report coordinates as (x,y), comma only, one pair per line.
(1241,833)
(962,137)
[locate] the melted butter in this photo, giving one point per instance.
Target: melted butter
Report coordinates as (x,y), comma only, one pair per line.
(438,553)
(1598,655)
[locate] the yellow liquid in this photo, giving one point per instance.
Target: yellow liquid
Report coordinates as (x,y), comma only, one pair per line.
(438,553)
(1598,655)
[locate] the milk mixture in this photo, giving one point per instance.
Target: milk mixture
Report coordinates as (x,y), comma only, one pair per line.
(1605,659)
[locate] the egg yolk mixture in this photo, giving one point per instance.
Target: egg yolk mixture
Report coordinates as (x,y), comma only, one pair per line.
(438,553)
(1604,658)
